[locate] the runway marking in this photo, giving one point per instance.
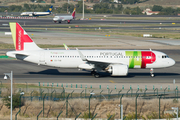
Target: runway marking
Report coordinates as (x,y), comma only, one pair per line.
(111,81)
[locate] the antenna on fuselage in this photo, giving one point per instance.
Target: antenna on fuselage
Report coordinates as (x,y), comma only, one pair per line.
(150,49)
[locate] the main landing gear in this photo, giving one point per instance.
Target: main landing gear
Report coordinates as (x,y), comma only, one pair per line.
(152,72)
(95,74)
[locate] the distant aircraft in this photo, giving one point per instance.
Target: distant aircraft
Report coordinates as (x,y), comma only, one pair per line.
(59,19)
(38,13)
(116,62)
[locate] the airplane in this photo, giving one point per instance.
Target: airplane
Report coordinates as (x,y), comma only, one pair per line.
(48,12)
(115,62)
(59,19)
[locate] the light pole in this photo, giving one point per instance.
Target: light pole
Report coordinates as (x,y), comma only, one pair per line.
(83,9)
(10,75)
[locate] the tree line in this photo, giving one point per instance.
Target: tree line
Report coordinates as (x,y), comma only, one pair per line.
(98,8)
(166,10)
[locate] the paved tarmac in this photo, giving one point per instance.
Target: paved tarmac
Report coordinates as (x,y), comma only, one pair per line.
(49,21)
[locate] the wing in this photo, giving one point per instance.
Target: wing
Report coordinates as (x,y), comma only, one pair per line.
(99,64)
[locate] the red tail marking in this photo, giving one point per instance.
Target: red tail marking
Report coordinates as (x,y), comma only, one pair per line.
(73,14)
(21,38)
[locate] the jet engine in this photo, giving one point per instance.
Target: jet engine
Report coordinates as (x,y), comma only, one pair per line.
(118,70)
(32,14)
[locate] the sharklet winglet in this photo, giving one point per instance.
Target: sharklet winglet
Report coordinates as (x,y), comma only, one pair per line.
(81,55)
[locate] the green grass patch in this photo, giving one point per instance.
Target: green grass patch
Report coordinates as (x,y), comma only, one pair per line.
(6,46)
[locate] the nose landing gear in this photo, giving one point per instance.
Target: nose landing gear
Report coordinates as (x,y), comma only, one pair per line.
(152,72)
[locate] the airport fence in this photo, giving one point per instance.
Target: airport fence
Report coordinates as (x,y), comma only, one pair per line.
(40,92)
(74,91)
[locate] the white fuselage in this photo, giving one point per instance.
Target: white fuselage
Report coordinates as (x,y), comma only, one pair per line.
(62,18)
(72,59)
(35,13)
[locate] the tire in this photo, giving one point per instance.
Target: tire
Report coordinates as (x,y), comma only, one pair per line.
(152,75)
(96,75)
(93,73)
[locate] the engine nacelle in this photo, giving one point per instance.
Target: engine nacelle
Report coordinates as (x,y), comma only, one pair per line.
(32,14)
(118,70)
(86,66)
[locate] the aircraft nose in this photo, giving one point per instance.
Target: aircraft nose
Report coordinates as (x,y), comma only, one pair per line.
(171,62)
(54,18)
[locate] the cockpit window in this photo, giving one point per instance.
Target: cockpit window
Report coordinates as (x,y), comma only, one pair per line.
(165,56)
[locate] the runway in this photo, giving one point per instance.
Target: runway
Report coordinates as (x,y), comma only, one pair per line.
(49,21)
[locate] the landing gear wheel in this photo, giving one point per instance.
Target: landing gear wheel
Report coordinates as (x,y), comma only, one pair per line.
(96,75)
(152,72)
(93,73)
(152,75)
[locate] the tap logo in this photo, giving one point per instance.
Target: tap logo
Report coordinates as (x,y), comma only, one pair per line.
(19,41)
(21,38)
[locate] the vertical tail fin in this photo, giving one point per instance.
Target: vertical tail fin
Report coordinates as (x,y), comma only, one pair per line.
(21,39)
(73,14)
(50,9)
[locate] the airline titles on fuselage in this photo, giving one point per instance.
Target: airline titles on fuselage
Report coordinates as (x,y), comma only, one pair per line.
(111,54)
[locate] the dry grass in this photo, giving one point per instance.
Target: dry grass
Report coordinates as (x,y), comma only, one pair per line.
(52,109)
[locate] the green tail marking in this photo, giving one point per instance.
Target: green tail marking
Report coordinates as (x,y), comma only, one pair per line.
(133,61)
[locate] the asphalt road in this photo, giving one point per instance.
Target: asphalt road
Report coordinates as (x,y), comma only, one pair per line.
(49,21)
(42,23)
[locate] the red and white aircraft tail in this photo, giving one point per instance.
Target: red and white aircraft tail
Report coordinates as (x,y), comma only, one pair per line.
(22,41)
(73,14)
